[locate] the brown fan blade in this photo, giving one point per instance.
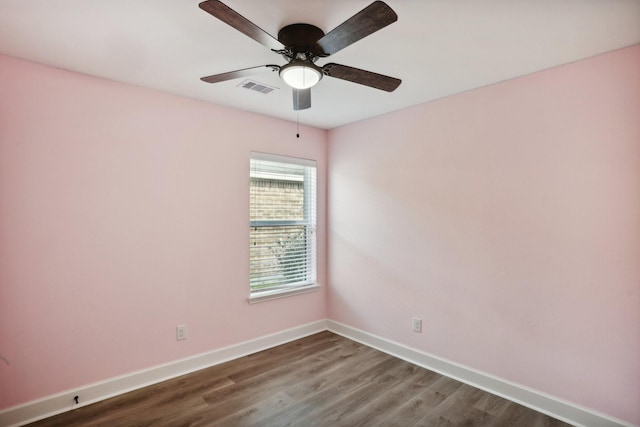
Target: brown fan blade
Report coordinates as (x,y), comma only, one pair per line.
(363,77)
(301,99)
(369,20)
(239,73)
(240,23)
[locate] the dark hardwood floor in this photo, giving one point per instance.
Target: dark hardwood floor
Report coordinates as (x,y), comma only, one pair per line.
(321,380)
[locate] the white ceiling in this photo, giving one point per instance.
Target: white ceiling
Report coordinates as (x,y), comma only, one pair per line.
(437,47)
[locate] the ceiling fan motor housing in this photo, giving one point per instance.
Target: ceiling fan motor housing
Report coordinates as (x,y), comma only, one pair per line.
(302,39)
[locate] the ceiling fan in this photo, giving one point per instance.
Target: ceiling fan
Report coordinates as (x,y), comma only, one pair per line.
(302,45)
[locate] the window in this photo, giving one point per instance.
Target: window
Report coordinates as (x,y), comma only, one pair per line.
(282,226)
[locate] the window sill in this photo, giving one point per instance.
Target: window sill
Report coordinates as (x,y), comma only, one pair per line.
(282,293)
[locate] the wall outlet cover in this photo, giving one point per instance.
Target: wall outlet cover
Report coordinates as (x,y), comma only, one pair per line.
(181,332)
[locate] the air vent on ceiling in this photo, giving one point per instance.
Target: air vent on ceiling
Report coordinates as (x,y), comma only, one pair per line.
(257,87)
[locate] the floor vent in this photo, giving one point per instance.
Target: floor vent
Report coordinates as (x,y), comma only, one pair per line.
(257,87)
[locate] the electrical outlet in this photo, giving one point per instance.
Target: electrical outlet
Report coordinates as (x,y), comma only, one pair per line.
(417,324)
(181,332)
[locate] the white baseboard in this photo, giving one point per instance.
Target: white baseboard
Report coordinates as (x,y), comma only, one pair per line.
(62,402)
(541,402)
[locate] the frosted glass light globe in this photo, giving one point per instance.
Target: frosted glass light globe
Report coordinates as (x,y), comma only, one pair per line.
(300,75)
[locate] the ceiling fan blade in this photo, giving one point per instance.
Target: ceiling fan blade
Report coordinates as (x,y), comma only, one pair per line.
(240,23)
(239,73)
(301,99)
(369,20)
(363,77)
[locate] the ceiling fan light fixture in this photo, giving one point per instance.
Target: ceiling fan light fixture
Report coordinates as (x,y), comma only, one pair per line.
(300,74)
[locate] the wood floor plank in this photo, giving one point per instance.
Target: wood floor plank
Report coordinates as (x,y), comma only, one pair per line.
(492,404)
(458,410)
(312,374)
(331,389)
(375,410)
(410,412)
(321,380)
(337,413)
(266,360)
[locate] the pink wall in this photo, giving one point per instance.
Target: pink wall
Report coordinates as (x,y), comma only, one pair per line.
(123,213)
(508,219)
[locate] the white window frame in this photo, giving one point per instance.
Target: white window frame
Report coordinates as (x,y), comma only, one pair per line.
(309,283)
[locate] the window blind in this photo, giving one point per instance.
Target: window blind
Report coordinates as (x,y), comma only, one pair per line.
(282,223)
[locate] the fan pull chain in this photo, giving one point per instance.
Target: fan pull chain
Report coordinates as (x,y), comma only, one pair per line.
(297,124)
